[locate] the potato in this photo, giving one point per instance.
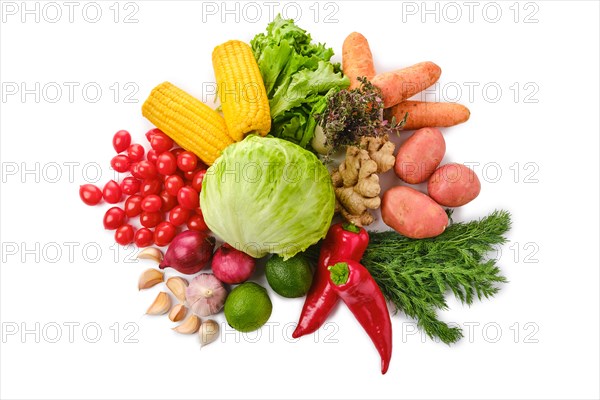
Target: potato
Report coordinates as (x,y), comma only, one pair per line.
(453,185)
(412,213)
(420,155)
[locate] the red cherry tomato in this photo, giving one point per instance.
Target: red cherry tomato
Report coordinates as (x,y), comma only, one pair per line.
(168,201)
(196,223)
(121,141)
(152,156)
(197,180)
(177,151)
(90,194)
(133,205)
(188,198)
(173,183)
(120,163)
(179,215)
(166,163)
(146,169)
(151,203)
(164,233)
(151,133)
(130,185)
(135,152)
(189,176)
(124,234)
(114,218)
(150,219)
(112,192)
(144,237)
(161,142)
(187,161)
(135,171)
(150,186)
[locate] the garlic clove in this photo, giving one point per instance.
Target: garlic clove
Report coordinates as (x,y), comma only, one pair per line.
(178,285)
(208,332)
(177,313)
(151,253)
(149,278)
(161,304)
(189,326)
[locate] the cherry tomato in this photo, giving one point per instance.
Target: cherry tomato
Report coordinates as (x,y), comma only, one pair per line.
(114,218)
(90,194)
(121,141)
(146,169)
(150,219)
(134,169)
(124,234)
(112,192)
(133,205)
(196,222)
(177,151)
(164,233)
(144,237)
(189,176)
(179,215)
(150,186)
(120,163)
(197,180)
(130,185)
(168,201)
(151,203)
(161,142)
(173,183)
(151,133)
(135,152)
(187,161)
(188,198)
(166,163)
(152,156)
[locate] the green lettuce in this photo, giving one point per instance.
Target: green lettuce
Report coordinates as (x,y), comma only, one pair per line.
(268,195)
(298,77)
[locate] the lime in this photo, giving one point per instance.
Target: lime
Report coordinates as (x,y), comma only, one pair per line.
(248,307)
(290,278)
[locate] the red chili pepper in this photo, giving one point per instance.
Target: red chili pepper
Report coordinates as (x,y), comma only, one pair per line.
(343,242)
(356,287)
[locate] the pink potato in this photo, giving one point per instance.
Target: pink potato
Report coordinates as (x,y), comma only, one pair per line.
(453,185)
(412,213)
(420,155)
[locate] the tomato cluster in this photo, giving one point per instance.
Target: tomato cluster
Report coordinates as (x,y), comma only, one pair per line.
(162,190)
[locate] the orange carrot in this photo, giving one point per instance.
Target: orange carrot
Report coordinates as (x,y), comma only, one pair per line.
(423,114)
(402,84)
(357,59)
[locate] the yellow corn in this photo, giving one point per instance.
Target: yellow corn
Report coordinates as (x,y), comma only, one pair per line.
(190,123)
(241,90)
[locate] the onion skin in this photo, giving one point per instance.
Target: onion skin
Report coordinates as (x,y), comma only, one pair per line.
(189,252)
(231,265)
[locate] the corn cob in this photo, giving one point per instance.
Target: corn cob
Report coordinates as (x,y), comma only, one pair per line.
(241,90)
(189,122)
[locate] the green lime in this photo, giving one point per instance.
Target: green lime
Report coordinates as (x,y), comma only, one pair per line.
(290,278)
(248,307)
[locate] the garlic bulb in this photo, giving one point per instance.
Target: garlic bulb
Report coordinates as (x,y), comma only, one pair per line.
(205,295)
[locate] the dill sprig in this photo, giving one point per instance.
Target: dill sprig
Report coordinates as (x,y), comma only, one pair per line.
(415,275)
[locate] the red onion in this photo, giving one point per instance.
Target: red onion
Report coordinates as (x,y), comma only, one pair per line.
(189,252)
(231,265)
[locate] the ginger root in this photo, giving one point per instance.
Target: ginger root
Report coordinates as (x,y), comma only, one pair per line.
(356,181)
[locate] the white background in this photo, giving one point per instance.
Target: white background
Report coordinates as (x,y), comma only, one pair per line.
(537,151)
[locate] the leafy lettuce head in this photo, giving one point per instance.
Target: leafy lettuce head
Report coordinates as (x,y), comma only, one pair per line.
(268,195)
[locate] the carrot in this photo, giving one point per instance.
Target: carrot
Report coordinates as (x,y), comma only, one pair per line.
(357,59)
(423,114)
(402,84)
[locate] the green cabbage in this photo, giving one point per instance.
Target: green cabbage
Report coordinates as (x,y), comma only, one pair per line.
(268,195)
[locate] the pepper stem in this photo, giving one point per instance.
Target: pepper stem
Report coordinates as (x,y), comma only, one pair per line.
(339,273)
(350,227)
